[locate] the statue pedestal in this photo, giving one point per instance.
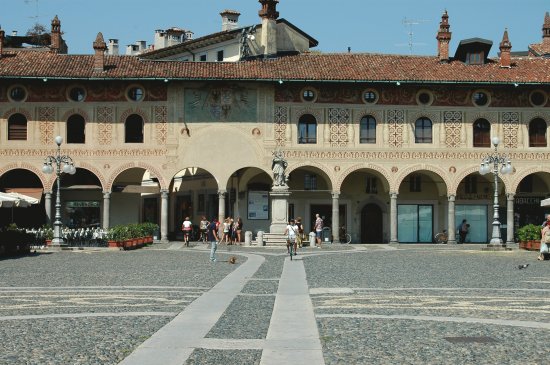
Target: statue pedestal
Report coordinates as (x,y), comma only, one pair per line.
(279,209)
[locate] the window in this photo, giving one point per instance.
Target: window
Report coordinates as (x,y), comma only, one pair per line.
(537,133)
(482,133)
(370,185)
(415,184)
(17,127)
(76,132)
(423,130)
(220,56)
(310,182)
(480,98)
(474,58)
(133,129)
(367,129)
(424,98)
(470,184)
(135,93)
(202,57)
(307,129)
(17,93)
(309,95)
(370,96)
(537,98)
(77,94)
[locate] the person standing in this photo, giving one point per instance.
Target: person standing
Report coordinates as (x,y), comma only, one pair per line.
(213,238)
(300,236)
(186,227)
(545,239)
(318,227)
(463,231)
(239,226)
(203,228)
(291,232)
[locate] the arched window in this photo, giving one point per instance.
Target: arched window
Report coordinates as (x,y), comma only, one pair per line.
(423,130)
(76,131)
(537,133)
(367,129)
(482,133)
(307,129)
(17,127)
(133,129)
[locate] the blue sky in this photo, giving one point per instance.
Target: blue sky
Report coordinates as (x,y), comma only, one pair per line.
(372,26)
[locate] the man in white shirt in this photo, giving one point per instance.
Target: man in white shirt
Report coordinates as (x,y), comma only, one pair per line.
(290,232)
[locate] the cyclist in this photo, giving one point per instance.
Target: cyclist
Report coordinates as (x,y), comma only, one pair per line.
(203,227)
(291,232)
(186,227)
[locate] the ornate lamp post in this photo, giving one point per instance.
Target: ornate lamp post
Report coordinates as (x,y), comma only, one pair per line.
(64,164)
(492,163)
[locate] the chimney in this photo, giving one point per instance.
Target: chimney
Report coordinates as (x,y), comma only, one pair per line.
(443,38)
(546,30)
(99,56)
(113,47)
(55,42)
(14,33)
(269,15)
(230,20)
(505,48)
(2,34)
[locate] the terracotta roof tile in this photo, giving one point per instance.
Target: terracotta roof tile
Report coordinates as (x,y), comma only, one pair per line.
(351,67)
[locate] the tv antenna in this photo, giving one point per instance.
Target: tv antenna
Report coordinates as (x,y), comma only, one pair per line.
(36,15)
(409,24)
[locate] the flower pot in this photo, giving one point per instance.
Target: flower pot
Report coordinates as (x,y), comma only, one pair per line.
(48,242)
(113,244)
(535,245)
(522,244)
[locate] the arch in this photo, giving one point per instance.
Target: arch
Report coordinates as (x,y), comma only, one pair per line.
(523,174)
(462,175)
(307,129)
(343,175)
(417,168)
(368,126)
(481,132)
(28,167)
(25,112)
(319,166)
(131,111)
(316,112)
(268,173)
(95,171)
(78,111)
(433,116)
(537,131)
(75,129)
(116,172)
(359,114)
(156,172)
(18,127)
(134,129)
(423,130)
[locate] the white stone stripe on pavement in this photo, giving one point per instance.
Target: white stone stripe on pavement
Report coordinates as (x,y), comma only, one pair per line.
(82,315)
(499,322)
(293,337)
(174,343)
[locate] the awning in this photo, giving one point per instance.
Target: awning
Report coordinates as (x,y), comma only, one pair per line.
(7,201)
(35,193)
(28,199)
(545,202)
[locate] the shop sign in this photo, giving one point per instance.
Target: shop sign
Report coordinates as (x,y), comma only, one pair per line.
(528,200)
(82,204)
(474,197)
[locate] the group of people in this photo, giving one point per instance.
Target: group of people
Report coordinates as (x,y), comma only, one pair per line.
(229,232)
(295,235)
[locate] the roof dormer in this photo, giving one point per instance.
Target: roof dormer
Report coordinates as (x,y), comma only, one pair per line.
(473,51)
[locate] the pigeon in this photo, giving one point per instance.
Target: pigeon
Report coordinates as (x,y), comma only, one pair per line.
(522,266)
(232,260)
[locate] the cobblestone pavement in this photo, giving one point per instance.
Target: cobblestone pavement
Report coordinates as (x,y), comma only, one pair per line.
(373,304)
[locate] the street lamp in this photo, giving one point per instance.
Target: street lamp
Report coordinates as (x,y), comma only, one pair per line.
(68,167)
(492,163)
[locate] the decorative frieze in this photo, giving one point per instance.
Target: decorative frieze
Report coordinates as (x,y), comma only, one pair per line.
(396,127)
(46,117)
(280,125)
(105,118)
(339,120)
(160,115)
(510,125)
(452,121)
(75,153)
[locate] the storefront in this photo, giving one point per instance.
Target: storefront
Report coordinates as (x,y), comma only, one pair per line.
(82,214)
(415,223)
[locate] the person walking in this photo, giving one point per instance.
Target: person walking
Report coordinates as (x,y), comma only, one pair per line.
(213,238)
(203,229)
(545,239)
(291,232)
(318,227)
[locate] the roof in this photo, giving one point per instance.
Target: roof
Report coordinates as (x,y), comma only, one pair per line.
(473,45)
(215,38)
(346,67)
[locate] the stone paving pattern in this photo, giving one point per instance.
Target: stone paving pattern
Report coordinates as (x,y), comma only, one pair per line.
(374,304)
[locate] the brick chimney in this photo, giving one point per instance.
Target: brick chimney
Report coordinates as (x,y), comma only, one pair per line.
(443,38)
(546,30)
(2,34)
(99,57)
(269,15)
(505,48)
(55,42)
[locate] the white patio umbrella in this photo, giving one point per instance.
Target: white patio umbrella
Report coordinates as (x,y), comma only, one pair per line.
(29,199)
(545,202)
(8,201)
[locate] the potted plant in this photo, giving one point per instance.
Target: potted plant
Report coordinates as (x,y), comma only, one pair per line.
(522,237)
(535,236)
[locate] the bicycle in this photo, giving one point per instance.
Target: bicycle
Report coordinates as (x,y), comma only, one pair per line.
(291,245)
(344,236)
(441,237)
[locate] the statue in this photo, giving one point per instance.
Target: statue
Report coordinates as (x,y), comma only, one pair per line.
(279,166)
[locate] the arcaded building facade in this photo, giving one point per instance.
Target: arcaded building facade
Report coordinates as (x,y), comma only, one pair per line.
(388,146)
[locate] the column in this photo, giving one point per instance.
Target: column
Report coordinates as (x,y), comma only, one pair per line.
(336,216)
(164,215)
(221,205)
(48,206)
(451,226)
(510,219)
(393,218)
(279,196)
(106,210)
